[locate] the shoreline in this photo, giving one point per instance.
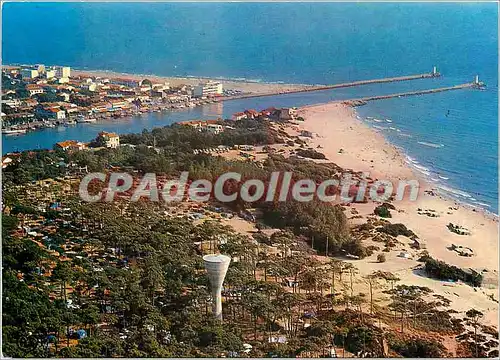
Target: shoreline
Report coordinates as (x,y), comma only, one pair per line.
(251,86)
(260,88)
(404,156)
(190,77)
(425,184)
(434,186)
(335,126)
(429,183)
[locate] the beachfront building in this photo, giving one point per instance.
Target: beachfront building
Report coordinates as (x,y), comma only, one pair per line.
(211,126)
(176,98)
(239,116)
(50,74)
(110,140)
(269,112)
(100,107)
(119,105)
(40,68)
(210,88)
(55,113)
(146,83)
(214,128)
(287,113)
(125,82)
(63,71)
(48,111)
(252,114)
(161,87)
(29,73)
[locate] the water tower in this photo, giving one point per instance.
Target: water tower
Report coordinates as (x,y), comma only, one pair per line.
(216,266)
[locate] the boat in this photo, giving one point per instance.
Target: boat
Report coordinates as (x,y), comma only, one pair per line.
(85,120)
(13,131)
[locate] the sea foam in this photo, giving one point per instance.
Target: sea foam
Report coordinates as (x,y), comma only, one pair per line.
(430,144)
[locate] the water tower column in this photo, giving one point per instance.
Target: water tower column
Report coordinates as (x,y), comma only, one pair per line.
(216,266)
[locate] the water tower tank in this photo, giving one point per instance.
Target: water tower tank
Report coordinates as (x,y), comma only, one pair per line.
(216,266)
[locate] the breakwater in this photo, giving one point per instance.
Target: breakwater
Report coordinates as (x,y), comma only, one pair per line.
(339,86)
(364,100)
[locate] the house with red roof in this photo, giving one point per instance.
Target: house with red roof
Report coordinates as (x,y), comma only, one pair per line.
(239,116)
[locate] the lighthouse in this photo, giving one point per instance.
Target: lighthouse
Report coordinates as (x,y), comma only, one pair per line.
(216,266)
(476,80)
(434,71)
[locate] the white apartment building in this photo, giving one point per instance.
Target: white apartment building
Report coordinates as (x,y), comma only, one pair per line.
(50,74)
(161,87)
(111,140)
(63,71)
(40,68)
(58,114)
(210,88)
(90,86)
(215,128)
(29,73)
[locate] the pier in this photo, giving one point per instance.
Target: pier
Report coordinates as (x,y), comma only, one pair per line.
(362,101)
(433,74)
(375,81)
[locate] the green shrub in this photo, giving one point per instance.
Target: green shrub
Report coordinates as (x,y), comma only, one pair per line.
(310,153)
(417,348)
(389,206)
(396,229)
(442,271)
(356,248)
(364,341)
(382,211)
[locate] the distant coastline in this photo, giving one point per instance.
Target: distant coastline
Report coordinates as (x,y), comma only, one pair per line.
(351,116)
(247,86)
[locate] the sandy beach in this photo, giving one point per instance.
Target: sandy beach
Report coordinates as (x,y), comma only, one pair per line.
(244,86)
(336,127)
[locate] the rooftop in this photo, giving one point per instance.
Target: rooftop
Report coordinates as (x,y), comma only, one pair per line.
(67,143)
(108,134)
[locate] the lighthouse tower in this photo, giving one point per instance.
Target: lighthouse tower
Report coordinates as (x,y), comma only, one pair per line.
(216,266)
(434,71)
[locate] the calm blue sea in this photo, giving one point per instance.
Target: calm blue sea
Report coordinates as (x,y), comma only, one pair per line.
(452,138)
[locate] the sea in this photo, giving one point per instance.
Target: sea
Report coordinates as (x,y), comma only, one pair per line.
(451,138)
